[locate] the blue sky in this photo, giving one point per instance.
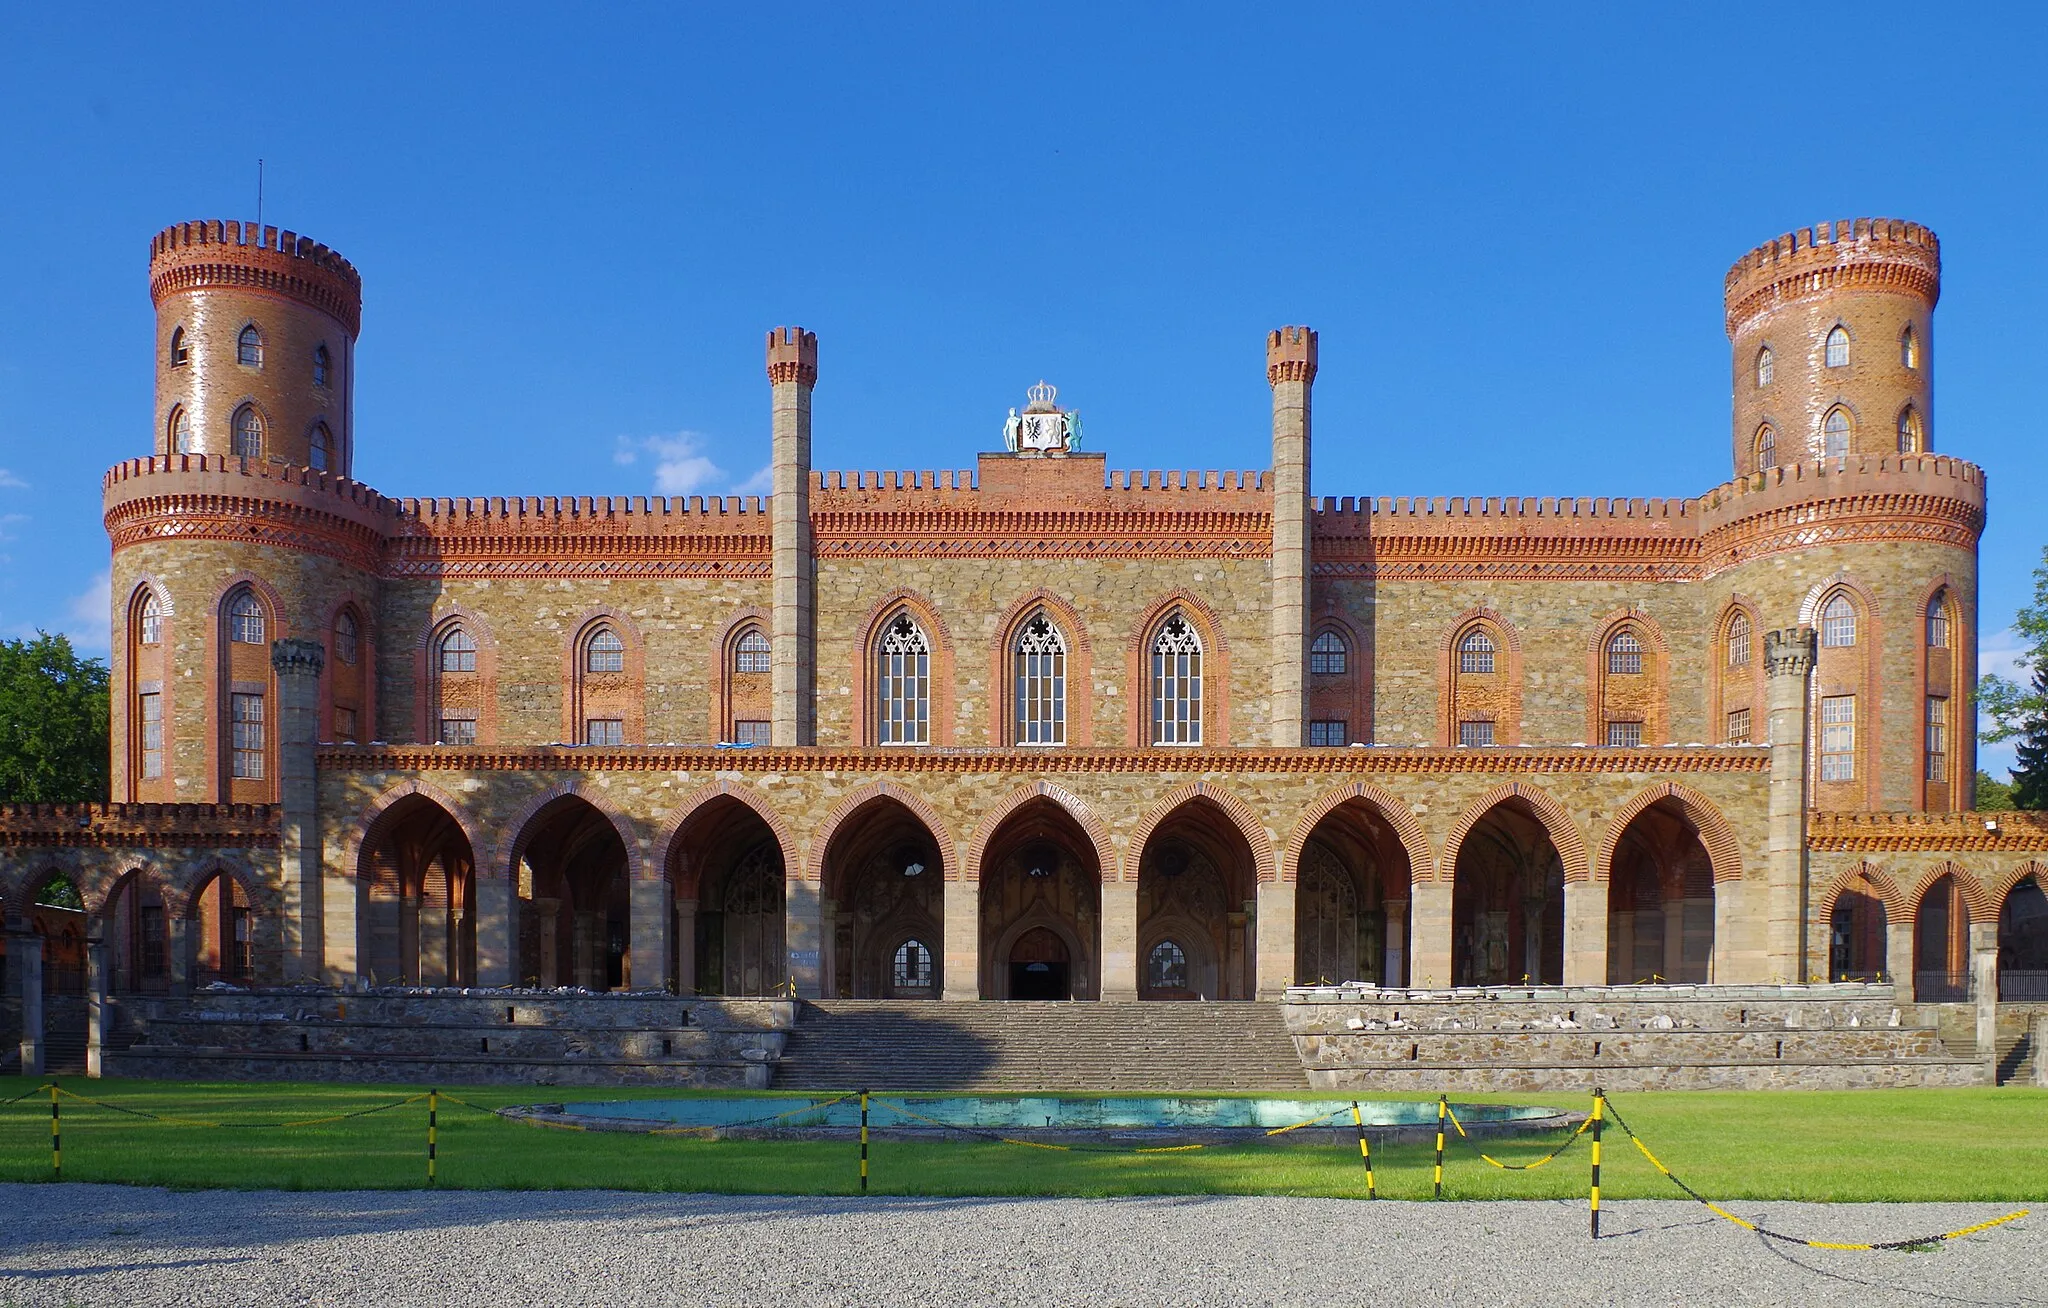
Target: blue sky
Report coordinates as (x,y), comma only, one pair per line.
(1510,226)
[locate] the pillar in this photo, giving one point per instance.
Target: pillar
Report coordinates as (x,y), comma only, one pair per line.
(96,1007)
(298,664)
(1984,990)
(803,934)
(1429,949)
(647,934)
(183,957)
(25,979)
(1395,915)
(1788,666)
(792,373)
(828,952)
(587,937)
(1898,959)
(686,946)
(1291,372)
(960,974)
(1119,962)
(1273,923)
(2041,1050)
(1585,933)
(344,903)
(497,931)
(1674,939)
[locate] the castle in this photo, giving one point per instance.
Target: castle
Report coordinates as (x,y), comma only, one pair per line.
(1041,728)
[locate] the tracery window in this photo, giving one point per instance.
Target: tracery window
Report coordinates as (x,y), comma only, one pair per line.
(248,736)
(1766,447)
(1475,653)
(751,653)
(458,731)
(1475,734)
(1764,368)
(1177,683)
(249,347)
(1738,641)
(752,731)
(1328,655)
(1838,348)
(1040,679)
(1329,731)
(320,365)
(317,447)
(152,620)
(605,653)
(1834,431)
(911,968)
(246,433)
(1166,967)
(1838,622)
(1625,654)
(245,618)
(1937,738)
(458,651)
(1738,726)
(604,731)
(903,683)
(1626,735)
(150,707)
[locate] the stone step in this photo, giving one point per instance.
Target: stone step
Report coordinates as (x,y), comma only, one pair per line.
(2016,1055)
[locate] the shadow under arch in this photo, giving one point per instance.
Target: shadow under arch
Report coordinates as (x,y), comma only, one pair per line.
(1354,866)
(573,873)
(727,864)
(1507,896)
(1039,906)
(883,884)
(1198,881)
(416,875)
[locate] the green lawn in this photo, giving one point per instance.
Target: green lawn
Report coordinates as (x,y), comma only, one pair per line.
(1867,1145)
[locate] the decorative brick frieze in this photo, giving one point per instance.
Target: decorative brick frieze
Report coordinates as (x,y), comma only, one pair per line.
(138,825)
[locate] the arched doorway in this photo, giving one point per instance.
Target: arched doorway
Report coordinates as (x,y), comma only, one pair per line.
(1351,901)
(884,887)
(1941,943)
(137,936)
(2023,944)
(1197,887)
(727,870)
(1660,901)
(221,932)
(1857,940)
(1041,907)
(574,911)
(53,908)
(1507,901)
(417,889)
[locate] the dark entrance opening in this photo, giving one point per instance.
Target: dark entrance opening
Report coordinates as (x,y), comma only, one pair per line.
(1038,966)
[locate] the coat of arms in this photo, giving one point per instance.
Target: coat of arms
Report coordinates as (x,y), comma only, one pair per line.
(1043,427)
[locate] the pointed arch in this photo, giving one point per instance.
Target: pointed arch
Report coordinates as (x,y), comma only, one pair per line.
(853,801)
(370,822)
(1945,672)
(866,681)
(1494,697)
(1996,893)
(741,696)
(1215,668)
(1644,696)
(671,825)
(604,694)
(193,877)
(517,830)
(1240,814)
(1852,673)
(1977,901)
(1345,696)
(1717,834)
(1564,833)
(479,694)
(1080,668)
(1421,857)
(1897,907)
(999,812)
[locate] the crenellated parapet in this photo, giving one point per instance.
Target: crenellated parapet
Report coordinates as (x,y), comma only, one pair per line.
(1853,253)
(1865,498)
(234,255)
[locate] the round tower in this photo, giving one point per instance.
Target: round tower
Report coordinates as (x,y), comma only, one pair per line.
(255,345)
(1832,329)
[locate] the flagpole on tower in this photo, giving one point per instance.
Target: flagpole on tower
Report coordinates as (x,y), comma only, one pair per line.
(259,195)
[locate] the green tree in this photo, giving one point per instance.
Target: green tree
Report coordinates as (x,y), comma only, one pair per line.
(53,723)
(1993,796)
(2021,711)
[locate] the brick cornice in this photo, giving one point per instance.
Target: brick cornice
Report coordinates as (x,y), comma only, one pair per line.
(1078,533)
(1937,832)
(143,826)
(243,520)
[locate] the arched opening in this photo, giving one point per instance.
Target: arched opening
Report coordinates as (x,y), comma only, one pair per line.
(1660,901)
(726,868)
(884,889)
(1041,907)
(1856,934)
(417,888)
(1351,901)
(136,933)
(2023,944)
(575,900)
(1197,885)
(55,910)
(1941,944)
(220,931)
(1507,901)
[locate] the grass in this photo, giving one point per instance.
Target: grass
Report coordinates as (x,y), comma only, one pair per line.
(1869,1145)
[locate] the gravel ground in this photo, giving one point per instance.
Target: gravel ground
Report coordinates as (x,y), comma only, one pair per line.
(93,1245)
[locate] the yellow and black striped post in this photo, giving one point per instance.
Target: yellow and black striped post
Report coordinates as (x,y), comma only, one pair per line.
(1443,1107)
(1364,1152)
(1593,1198)
(433,1130)
(56,1138)
(863,1142)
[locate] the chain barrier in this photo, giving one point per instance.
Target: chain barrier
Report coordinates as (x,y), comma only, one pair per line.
(996,1137)
(1465,1139)
(234,1126)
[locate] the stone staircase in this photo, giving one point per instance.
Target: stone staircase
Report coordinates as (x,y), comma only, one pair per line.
(2016,1055)
(1122,1048)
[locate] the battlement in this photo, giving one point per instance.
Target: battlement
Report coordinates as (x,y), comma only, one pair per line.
(199,255)
(964,479)
(284,474)
(1885,253)
(1936,475)
(1475,510)
(1291,355)
(626,514)
(793,355)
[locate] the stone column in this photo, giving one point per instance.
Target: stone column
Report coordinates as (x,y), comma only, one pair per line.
(183,955)
(1119,961)
(1395,915)
(1585,933)
(647,935)
(25,979)
(1429,951)
(828,951)
(298,664)
(344,902)
(1898,959)
(96,1006)
(961,972)
(792,373)
(686,946)
(2041,1050)
(549,911)
(497,931)
(1291,371)
(1984,989)
(587,934)
(1273,921)
(803,934)
(1788,666)
(1674,939)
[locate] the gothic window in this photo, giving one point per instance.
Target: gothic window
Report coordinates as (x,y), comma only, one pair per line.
(1475,734)
(181,431)
(1763,367)
(1834,430)
(320,365)
(1909,349)
(1937,623)
(1166,967)
(1766,447)
(152,620)
(1329,731)
(1625,653)
(1625,735)
(1475,654)
(150,710)
(1838,622)
(248,736)
(1838,738)
(1328,655)
(903,684)
(1838,348)
(605,653)
(245,618)
(457,651)
(246,437)
(180,356)
(1909,431)
(1738,641)
(249,347)
(317,446)
(1041,684)
(1937,738)
(1176,683)
(345,637)
(911,968)
(751,653)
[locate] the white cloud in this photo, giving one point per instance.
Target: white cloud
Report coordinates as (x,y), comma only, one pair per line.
(8,481)
(762,482)
(87,616)
(2001,652)
(680,465)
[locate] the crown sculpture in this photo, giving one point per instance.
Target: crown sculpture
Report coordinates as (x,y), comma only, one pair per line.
(1043,427)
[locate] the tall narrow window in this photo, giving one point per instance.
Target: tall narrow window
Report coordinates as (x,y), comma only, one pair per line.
(247,433)
(249,347)
(458,651)
(1909,431)
(1176,684)
(1838,738)
(152,621)
(1738,726)
(320,365)
(346,637)
(1041,683)
(1834,434)
(903,684)
(1766,447)
(248,737)
(1937,738)
(1838,622)
(1838,348)
(1475,734)
(317,446)
(1328,655)
(1475,654)
(150,710)
(605,653)
(1738,641)
(1625,654)
(180,356)
(181,431)
(1937,623)
(245,619)
(751,653)
(1764,367)
(1909,349)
